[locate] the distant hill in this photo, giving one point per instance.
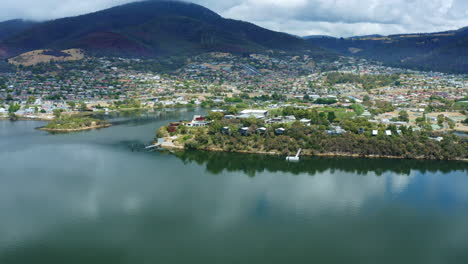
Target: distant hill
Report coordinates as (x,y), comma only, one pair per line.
(153,28)
(441,51)
(12,27)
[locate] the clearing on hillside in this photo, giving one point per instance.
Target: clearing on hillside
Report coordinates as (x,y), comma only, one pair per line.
(45,56)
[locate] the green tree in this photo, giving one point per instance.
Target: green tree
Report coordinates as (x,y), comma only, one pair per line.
(14,108)
(450,123)
(358,109)
(440,119)
(83,107)
(331,117)
(72,105)
(31,100)
(57,112)
(403,116)
(215,116)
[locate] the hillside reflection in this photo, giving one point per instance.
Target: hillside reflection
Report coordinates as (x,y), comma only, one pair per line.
(250,164)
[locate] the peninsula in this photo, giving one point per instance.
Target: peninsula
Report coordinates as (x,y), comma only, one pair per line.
(317,134)
(74,123)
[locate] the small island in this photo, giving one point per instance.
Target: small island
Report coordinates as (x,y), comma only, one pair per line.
(74,123)
(317,134)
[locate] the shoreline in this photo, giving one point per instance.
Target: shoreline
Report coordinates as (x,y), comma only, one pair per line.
(74,129)
(27,119)
(170,146)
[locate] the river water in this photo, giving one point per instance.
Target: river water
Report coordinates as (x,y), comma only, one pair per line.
(95,197)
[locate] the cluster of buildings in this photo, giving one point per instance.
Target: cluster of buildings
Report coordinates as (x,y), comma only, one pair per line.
(216,76)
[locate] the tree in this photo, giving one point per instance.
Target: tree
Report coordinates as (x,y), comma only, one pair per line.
(450,123)
(72,105)
(215,116)
(31,100)
(83,107)
(358,109)
(13,108)
(440,119)
(57,112)
(403,116)
(331,117)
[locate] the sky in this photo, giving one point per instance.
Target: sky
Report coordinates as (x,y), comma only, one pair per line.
(340,18)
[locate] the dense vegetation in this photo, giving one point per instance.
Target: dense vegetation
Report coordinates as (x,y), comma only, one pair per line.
(446,51)
(11,27)
(315,139)
(75,123)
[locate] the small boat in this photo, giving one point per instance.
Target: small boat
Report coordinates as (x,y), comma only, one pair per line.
(292,158)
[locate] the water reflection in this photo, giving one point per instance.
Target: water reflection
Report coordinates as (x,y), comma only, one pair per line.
(217,162)
(85,198)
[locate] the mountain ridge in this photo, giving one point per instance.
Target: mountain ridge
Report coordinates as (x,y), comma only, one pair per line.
(153,28)
(445,51)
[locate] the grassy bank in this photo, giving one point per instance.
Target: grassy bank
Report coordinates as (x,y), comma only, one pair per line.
(74,123)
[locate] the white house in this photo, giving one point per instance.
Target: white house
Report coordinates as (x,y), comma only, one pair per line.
(198,121)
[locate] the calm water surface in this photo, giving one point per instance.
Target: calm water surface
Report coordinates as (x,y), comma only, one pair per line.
(95,198)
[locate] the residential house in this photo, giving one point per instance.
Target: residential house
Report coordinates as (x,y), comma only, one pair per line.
(280,131)
(244,131)
(198,121)
(261,130)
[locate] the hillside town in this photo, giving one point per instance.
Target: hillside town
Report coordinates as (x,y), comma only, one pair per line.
(349,87)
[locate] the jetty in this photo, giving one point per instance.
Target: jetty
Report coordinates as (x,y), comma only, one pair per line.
(294,158)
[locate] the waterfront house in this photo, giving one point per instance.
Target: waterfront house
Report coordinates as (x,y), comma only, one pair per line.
(225,130)
(244,131)
(261,130)
(280,131)
(198,121)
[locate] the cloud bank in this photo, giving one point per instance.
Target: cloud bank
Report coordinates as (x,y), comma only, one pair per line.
(299,17)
